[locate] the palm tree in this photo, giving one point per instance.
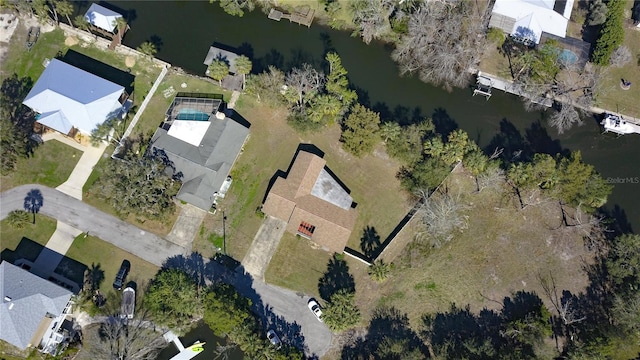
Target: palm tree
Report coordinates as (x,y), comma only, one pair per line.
(243,67)
(379,271)
(218,70)
(120,23)
(81,22)
(148,48)
(53,4)
(65,9)
(390,131)
(18,219)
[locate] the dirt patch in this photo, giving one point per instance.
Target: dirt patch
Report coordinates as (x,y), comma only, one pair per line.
(129,61)
(71,40)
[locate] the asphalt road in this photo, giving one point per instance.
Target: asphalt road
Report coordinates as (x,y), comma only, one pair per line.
(82,216)
(281,308)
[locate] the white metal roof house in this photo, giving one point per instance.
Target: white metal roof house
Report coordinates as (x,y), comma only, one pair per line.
(32,310)
(68,98)
(101,17)
(526,20)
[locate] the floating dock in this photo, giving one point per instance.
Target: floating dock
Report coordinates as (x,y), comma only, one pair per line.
(298,17)
(506,86)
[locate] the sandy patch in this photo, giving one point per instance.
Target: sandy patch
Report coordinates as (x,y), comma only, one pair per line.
(70,41)
(129,61)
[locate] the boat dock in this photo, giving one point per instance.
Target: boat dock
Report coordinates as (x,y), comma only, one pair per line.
(184,353)
(485,80)
(299,17)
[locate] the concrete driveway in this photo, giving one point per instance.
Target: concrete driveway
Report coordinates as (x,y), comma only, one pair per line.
(186,226)
(86,218)
(263,247)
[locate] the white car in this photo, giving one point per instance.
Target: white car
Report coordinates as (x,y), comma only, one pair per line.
(315,308)
(274,339)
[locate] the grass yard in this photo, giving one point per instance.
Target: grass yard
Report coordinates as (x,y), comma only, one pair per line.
(13,245)
(611,95)
(49,45)
(503,250)
(154,113)
(92,250)
(271,147)
(50,165)
(297,264)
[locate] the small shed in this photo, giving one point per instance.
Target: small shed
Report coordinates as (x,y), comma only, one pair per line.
(101,17)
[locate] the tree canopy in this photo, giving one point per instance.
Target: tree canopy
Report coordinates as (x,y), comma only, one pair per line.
(225,309)
(341,312)
(173,299)
(218,69)
(360,134)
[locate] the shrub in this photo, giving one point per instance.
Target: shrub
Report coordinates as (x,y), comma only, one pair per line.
(611,34)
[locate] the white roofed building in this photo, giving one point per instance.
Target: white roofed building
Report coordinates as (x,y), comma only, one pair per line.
(101,17)
(526,20)
(68,99)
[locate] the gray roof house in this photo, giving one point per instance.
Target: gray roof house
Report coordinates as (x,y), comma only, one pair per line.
(33,309)
(203,145)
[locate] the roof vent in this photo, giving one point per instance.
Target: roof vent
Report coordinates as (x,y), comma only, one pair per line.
(6,298)
(11,306)
(220,115)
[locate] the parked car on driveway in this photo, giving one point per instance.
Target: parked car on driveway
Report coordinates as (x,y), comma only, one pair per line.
(274,339)
(121,276)
(315,308)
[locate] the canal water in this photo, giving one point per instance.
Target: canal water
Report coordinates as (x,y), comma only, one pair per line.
(202,333)
(184,31)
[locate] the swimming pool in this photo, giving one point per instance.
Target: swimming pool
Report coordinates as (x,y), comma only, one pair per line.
(568,57)
(191,114)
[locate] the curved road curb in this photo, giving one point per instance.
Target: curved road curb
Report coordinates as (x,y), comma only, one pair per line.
(80,215)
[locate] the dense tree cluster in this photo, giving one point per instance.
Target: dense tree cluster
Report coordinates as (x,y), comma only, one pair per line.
(442,42)
(173,299)
(16,123)
(611,33)
(360,131)
(139,184)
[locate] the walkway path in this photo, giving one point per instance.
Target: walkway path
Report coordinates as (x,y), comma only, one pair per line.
(80,174)
(57,246)
(263,247)
(144,104)
(232,102)
(86,218)
(186,226)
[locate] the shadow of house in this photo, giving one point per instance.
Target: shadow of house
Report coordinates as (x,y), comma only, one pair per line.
(313,202)
(69,99)
(202,144)
(228,55)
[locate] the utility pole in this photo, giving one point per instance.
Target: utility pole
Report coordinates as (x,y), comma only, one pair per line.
(224,234)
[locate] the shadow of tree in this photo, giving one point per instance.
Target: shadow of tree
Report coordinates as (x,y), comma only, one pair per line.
(444,123)
(224,269)
(33,202)
(156,40)
(370,241)
(389,328)
(336,278)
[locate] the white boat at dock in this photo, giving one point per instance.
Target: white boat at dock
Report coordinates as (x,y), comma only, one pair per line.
(616,124)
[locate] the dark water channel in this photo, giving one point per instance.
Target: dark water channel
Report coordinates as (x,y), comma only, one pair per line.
(201,333)
(185,30)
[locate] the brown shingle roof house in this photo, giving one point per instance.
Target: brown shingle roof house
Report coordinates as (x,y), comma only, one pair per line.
(313,203)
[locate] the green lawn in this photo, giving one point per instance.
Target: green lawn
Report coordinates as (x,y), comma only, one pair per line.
(50,165)
(611,95)
(13,244)
(297,265)
(91,250)
(271,147)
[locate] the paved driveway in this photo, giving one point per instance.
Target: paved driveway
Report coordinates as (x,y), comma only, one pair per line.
(79,215)
(263,247)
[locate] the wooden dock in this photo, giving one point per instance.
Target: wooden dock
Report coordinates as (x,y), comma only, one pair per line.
(299,17)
